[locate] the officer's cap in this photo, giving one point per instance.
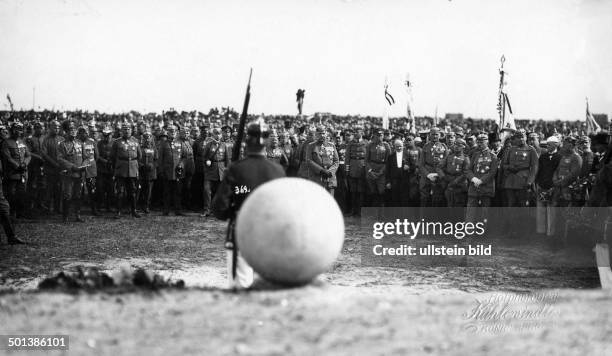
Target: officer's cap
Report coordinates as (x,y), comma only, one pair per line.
(82,128)
(460,141)
(226,128)
(418,139)
(377,132)
(107,130)
(534,135)
(482,137)
(37,124)
(552,139)
(434,130)
(518,134)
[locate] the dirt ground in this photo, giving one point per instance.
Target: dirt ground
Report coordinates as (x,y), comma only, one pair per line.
(351,310)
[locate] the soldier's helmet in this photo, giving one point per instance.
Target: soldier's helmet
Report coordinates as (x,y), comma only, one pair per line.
(258,133)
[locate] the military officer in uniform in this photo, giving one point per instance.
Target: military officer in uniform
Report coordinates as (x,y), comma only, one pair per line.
(189,164)
(36,176)
(342,192)
(520,166)
(104,181)
(452,172)
(481,177)
(125,156)
(377,153)
(171,171)
(5,219)
(16,155)
(90,157)
(275,153)
(217,158)
(148,167)
(70,157)
(303,154)
(52,167)
(433,152)
(323,161)
(355,169)
(242,178)
(566,173)
(413,157)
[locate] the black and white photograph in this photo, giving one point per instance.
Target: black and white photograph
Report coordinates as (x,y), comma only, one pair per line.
(305,177)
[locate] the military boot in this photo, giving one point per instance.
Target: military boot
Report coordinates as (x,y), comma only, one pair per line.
(65,210)
(77,210)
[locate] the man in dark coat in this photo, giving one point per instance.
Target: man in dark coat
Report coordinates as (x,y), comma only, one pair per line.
(242,178)
(171,171)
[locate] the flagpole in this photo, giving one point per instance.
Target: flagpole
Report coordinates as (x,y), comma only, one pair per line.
(501,103)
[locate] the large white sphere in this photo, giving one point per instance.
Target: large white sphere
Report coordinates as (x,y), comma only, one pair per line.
(290,230)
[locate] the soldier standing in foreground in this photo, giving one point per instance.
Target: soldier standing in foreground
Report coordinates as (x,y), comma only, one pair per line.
(217,158)
(355,169)
(104,183)
(377,153)
(481,176)
(5,219)
(241,179)
(125,156)
(17,157)
(323,162)
(90,157)
(433,152)
(52,167)
(70,157)
(171,171)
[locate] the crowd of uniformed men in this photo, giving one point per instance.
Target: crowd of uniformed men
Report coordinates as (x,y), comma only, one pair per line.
(57,165)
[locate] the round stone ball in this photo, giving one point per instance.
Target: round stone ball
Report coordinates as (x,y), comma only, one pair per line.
(290,230)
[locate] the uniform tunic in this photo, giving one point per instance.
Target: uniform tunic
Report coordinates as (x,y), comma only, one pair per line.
(323,156)
(520,165)
(125,155)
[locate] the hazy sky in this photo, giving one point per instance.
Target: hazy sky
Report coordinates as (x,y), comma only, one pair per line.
(119,55)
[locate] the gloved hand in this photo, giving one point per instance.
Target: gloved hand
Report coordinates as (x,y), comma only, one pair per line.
(432,176)
(229,245)
(388,185)
(208,163)
(477,182)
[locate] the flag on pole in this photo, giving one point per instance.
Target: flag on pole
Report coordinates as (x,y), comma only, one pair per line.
(388,95)
(8,97)
(592,125)
(506,117)
(410,122)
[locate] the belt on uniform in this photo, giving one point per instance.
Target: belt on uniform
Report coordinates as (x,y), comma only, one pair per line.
(358,158)
(127,159)
(379,162)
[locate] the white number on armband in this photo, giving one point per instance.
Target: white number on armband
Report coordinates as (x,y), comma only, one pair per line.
(241,189)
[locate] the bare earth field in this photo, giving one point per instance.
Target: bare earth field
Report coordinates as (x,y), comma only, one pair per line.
(351,310)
